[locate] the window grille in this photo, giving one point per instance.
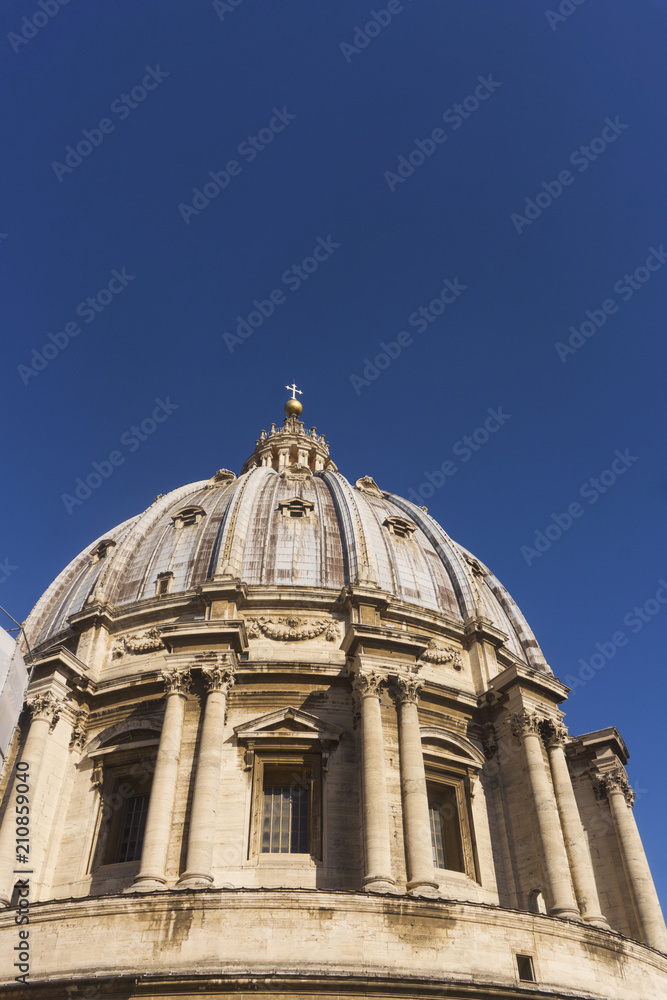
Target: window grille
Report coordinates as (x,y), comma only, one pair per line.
(286,812)
(134,824)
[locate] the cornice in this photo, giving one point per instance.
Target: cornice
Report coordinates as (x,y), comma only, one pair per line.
(528,679)
(379,639)
(178,636)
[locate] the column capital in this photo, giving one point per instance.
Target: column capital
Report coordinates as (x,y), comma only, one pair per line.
(46,706)
(368,684)
(407,689)
(176,681)
(554,734)
(614,780)
(218,677)
(525,723)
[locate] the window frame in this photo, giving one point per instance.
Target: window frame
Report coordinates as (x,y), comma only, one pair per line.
(126,770)
(300,761)
(451,760)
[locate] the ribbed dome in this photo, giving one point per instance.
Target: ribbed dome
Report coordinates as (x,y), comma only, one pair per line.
(289,520)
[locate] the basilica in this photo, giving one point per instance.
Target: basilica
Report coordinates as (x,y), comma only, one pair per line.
(285,737)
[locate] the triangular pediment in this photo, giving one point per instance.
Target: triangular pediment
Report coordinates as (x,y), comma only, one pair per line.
(289,724)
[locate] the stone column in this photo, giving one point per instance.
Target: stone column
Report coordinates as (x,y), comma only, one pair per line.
(218,678)
(647,907)
(561,901)
(44,711)
(367,687)
(416,822)
(152,873)
(576,846)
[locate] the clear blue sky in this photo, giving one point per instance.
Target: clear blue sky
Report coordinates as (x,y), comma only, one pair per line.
(305,122)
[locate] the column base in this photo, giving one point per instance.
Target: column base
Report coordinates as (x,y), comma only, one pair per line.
(565,912)
(597,921)
(151,883)
(423,887)
(379,883)
(195,880)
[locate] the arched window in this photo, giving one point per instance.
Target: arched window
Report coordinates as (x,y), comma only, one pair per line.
(188,516)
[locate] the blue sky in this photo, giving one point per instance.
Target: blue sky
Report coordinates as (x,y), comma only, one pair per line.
(539,199)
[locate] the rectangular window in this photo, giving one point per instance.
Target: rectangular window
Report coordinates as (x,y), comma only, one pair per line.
(286,811)
(287,805)
(525,968)
(132,831)
(445,828)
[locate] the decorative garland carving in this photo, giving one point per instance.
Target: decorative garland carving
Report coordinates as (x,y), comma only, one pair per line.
(293,629)
(442,654)
(140,642)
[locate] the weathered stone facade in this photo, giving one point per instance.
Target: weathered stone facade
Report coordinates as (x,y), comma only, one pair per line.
(285,736)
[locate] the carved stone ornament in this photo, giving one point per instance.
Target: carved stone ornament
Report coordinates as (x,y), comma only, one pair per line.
(218,677)
(293,629)
(615,780)
(368,684)
(176,681)
(46,706)
(407,689)
(525,723)
(442,654)
(140,642)
(368,485)
(300,473)
(554,733)
(489,741)
(222,476)
(78,737)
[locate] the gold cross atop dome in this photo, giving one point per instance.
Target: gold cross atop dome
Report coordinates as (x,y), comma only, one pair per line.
(293,406)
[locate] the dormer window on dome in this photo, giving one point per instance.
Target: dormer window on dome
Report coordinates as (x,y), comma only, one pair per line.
(102,550)
(188,516)
(163,584)
(296,507)
(399,526)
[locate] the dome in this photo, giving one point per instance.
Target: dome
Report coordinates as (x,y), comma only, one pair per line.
(290,520)
(283,735)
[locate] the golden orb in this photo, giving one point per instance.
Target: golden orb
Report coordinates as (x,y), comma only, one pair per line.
(293,407)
